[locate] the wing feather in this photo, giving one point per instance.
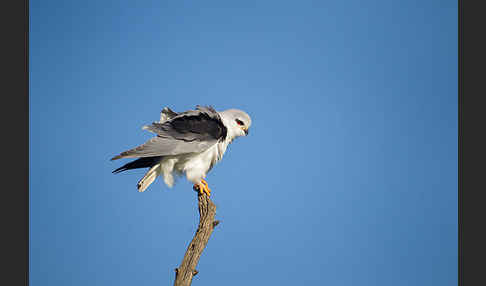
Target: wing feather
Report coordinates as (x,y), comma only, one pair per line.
(167,114)
(159,146)
(192,131)
(202,124)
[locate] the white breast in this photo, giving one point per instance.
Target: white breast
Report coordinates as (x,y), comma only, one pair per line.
(196,166)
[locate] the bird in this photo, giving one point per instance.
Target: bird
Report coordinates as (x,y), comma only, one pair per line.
(189,142)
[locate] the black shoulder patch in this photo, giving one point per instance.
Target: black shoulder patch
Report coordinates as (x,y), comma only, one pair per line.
(202,124)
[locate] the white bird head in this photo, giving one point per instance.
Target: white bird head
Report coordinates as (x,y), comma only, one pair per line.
(237,121)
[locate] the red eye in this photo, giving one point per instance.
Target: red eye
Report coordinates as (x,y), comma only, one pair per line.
(239,122)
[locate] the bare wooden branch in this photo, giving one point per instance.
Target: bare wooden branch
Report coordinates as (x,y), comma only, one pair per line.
(187,270)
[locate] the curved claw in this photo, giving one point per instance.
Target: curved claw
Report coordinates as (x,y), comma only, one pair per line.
(202,188)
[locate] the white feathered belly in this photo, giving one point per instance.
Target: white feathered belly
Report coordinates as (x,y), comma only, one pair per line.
(194,166)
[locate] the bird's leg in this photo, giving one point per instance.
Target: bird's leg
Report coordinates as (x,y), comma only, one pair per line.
(203,188)
(207,190)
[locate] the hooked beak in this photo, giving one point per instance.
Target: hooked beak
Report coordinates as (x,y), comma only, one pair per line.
(245,130)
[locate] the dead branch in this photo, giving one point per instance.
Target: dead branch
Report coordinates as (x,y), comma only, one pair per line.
(187,270)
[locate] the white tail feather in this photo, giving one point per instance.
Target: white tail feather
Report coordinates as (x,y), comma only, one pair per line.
(149,178)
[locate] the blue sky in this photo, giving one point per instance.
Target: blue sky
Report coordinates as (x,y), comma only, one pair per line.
(348,176)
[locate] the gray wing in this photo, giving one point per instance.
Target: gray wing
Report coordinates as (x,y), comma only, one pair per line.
(167,114)
(192,131)
(159,146)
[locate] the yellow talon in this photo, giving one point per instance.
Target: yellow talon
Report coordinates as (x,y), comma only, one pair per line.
(203,188)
